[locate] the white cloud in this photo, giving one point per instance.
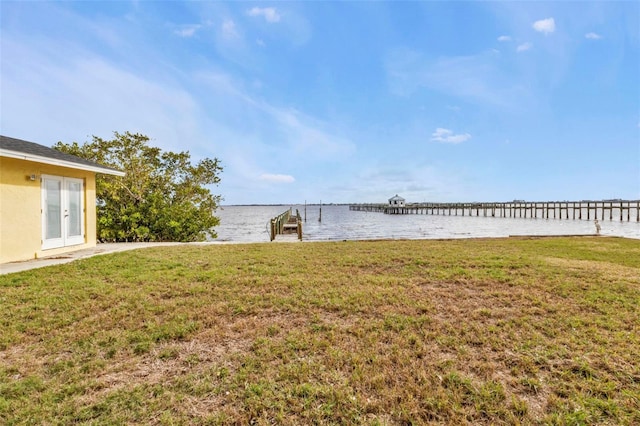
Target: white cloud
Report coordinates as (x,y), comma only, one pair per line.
(593,36)
(270,14)
(187,30)
(545,26)
(229,29)
(524,47)
(276,178)
(447,136)
(504,38)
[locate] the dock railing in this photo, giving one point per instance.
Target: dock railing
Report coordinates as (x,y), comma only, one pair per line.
(286,223)
(586,209)
(277,223)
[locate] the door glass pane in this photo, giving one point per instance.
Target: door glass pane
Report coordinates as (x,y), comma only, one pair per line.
(74,192)
(53,204)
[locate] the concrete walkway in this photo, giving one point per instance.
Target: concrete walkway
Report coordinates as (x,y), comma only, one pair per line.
(11,267)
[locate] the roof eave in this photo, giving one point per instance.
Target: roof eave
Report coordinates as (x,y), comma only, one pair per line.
(55,162)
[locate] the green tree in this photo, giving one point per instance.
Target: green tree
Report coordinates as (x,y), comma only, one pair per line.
(162,197)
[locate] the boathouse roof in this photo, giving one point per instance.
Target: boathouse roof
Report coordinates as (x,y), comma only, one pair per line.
(396,197)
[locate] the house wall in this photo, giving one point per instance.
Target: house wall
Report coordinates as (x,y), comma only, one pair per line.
(20,209)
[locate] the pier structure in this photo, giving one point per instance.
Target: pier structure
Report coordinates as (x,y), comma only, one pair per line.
(286,224)
(625,210)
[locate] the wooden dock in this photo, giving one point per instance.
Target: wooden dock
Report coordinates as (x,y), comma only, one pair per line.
(285,225)
(628,210)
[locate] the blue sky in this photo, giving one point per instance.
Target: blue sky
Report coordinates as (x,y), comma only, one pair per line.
(343,101)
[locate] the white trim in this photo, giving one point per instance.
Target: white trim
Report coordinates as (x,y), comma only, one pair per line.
(53,161)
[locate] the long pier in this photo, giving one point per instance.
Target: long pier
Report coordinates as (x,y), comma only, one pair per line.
(628,210)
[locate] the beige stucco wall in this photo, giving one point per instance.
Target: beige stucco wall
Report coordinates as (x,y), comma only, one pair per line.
(20,209)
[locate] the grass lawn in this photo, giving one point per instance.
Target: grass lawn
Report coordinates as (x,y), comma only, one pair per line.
(487,331)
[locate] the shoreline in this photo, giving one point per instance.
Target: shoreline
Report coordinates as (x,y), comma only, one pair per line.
(108,248)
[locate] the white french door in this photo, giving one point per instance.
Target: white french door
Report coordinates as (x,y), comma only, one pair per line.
(62,212)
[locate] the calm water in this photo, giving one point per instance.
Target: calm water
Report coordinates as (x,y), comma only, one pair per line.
(250,224)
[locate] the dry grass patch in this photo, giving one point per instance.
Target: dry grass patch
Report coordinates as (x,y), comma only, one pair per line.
(542,331)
